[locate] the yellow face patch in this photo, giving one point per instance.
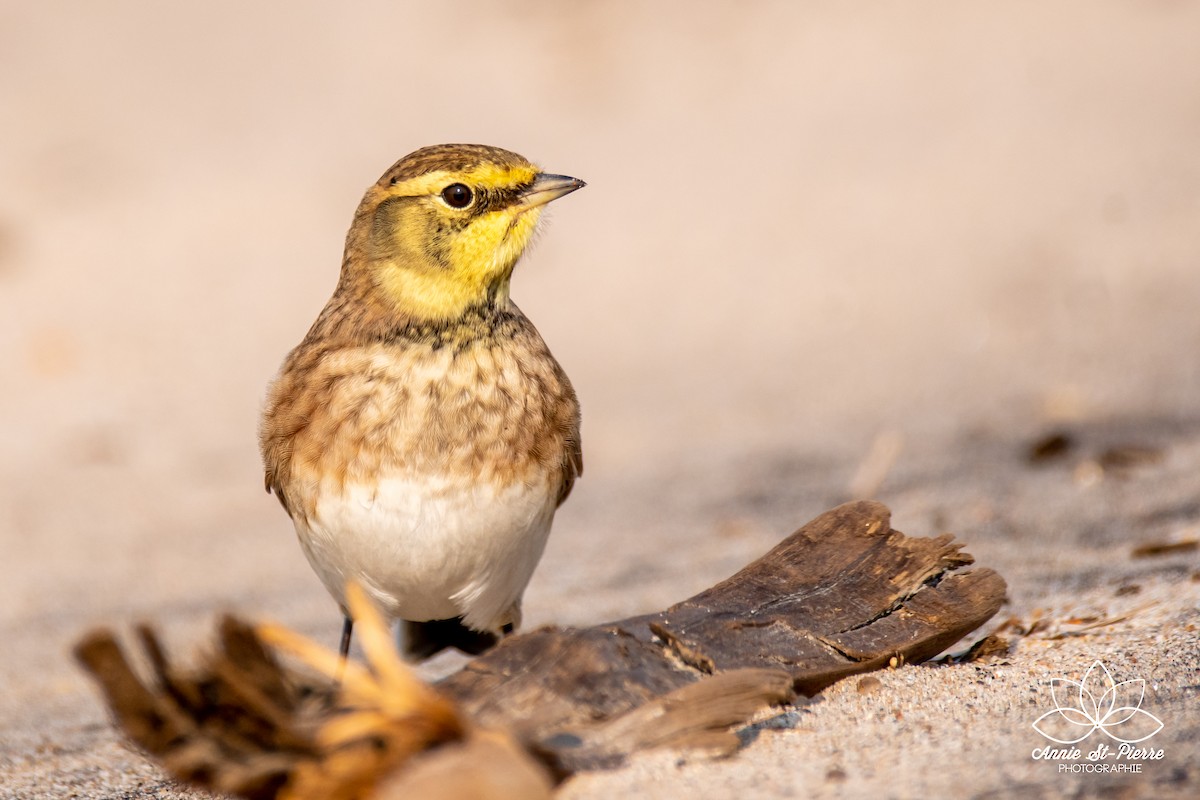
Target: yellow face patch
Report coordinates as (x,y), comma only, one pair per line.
(433,261)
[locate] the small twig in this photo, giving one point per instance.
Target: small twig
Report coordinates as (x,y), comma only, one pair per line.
(876,464)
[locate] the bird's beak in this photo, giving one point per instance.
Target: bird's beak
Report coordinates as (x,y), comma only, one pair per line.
(546,188)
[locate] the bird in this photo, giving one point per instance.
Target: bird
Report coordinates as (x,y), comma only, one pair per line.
(422,436)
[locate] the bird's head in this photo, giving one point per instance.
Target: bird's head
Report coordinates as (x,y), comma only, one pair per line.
(441,231)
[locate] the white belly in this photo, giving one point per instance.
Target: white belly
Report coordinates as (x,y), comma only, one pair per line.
(431,550)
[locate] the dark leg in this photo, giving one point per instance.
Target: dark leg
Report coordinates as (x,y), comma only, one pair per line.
(344,648)
(347,629)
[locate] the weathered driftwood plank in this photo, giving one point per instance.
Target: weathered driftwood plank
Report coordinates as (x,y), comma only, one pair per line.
(842,595)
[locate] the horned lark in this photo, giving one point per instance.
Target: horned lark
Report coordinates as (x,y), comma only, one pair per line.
(421,436)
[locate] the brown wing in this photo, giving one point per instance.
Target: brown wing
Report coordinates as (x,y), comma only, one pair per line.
(572,466)
(291,403)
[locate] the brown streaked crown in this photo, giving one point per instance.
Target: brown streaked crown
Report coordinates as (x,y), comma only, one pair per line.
(450,158)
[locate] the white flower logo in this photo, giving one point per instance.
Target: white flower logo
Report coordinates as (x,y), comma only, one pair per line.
(1078,713)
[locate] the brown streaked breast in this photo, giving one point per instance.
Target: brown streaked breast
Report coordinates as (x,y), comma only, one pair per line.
(479,408)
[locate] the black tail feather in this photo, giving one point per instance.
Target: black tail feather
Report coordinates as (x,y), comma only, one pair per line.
(425,639)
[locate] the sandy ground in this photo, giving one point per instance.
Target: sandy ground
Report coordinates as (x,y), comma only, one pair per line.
(807,226)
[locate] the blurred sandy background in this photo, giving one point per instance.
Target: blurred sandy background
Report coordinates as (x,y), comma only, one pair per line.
(805,224)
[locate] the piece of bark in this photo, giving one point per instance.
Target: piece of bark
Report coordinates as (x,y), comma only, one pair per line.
(1150,549)
(234,727)
(844,594)
(243,723)
(482,767)
(696,716)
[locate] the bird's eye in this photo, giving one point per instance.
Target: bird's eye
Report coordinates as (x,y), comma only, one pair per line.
(457,195)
